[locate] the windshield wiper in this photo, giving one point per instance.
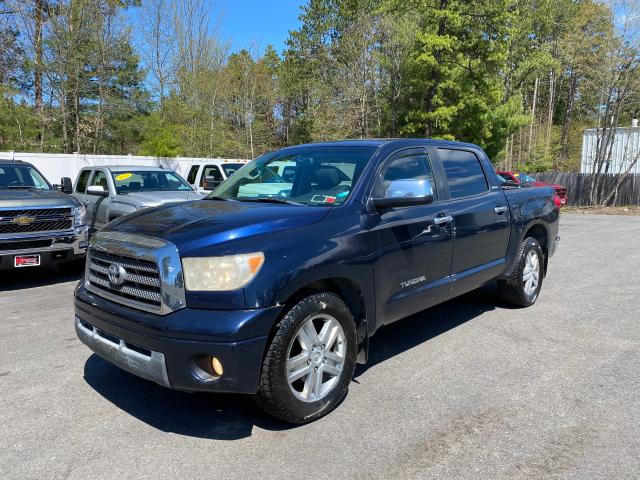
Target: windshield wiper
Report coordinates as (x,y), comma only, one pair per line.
(26,187)
(209,197)
(270,200)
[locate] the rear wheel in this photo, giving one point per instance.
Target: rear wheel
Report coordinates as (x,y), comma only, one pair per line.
(310,361)
(523,286)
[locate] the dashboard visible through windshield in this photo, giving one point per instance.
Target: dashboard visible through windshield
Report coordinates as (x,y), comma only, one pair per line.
(149,181)
(320,175)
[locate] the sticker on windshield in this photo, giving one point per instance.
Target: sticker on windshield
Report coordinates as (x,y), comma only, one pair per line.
(323,199)
(124,176)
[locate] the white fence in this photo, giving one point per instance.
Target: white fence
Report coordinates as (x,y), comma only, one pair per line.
(54,166)
(625,150)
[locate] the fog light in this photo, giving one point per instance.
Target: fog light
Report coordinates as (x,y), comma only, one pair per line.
(217,366)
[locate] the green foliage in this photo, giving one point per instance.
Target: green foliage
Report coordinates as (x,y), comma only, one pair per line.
(519,77)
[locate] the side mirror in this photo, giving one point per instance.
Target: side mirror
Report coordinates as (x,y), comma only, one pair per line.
(405,193)
(97,190)
(66,185)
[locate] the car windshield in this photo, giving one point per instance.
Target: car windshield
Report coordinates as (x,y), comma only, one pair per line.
(149,181)
(21,176)
(319,175)
(231,168)
(524,178)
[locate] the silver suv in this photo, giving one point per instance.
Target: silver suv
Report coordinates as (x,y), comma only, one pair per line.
(109,192)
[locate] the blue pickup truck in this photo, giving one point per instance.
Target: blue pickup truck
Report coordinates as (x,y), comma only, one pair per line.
(276,292)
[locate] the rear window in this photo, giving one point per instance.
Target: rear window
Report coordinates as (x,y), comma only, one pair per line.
(464,173)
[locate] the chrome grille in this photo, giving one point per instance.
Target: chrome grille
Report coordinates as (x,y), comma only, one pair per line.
(34,220)
(141,281)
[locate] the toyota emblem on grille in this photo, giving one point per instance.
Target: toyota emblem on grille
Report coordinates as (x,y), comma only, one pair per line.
(117,275)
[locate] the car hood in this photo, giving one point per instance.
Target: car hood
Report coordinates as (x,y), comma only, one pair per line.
(200,224)
(152,199)
(18,198)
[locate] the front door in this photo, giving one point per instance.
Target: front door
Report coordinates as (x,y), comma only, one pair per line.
(96,204)
(481,221)
(414,244)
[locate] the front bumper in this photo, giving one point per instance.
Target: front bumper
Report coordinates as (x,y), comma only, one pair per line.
(163,348)
(52,247)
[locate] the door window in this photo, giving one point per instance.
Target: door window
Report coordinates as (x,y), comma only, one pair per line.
(212,176)
(409,174)
(193,173)
(99,179)
(81,184)
(464,173)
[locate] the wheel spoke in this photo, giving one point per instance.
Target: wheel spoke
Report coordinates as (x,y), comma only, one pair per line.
(331,370)
(297,374)
(335,357)
(300,360)
(317,382)
(307,336)
(329,333)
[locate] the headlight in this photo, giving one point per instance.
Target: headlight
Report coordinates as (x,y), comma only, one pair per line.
(218,274)
(80,216)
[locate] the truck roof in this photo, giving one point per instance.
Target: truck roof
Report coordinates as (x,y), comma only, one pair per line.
(128,168)
(377,142)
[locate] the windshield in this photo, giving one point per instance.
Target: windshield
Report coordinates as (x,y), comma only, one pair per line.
(231,168)
(524,178)
(21,176)
(311,176)
(149,181)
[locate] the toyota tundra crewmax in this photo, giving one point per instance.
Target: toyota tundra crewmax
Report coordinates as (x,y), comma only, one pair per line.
(273,286)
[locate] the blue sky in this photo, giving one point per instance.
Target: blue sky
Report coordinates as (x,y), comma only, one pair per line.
(255,23)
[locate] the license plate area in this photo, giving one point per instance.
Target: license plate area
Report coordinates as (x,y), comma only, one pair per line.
(21,261)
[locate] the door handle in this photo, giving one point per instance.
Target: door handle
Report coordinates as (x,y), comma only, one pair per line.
(500,209)
(442,220)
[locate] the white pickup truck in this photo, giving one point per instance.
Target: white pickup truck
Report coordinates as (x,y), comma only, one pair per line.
(206,175)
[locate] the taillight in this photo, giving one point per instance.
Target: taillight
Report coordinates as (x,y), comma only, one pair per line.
(557,201)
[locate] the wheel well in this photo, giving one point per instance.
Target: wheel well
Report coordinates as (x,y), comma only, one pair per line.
(540,234)
(344,288)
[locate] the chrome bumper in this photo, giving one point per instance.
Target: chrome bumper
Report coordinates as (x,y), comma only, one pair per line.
(139,361)
(76,240)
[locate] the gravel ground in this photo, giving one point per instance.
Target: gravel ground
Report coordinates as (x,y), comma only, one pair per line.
(469,389)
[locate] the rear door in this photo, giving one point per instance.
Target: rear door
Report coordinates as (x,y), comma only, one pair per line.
(414,244)
(481,220)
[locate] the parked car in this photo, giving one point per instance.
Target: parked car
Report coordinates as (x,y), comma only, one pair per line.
(278,296)
(524,179)
(207,175)
(39,225)
(108,192)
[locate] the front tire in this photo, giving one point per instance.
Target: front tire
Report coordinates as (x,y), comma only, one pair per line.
(522,288)
(310,361)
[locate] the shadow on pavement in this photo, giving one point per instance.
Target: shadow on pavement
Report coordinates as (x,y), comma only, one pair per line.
(232,417)
(18,279)
(202,415)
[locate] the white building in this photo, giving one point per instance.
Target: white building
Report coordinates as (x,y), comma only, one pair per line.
(626,149)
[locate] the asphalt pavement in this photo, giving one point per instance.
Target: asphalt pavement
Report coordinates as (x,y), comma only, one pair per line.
(469,389)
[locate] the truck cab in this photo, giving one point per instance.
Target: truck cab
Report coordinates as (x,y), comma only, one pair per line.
(205,176)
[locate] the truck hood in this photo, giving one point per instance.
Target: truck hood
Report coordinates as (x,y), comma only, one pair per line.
(152,199)
(200,224)
(18,198)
